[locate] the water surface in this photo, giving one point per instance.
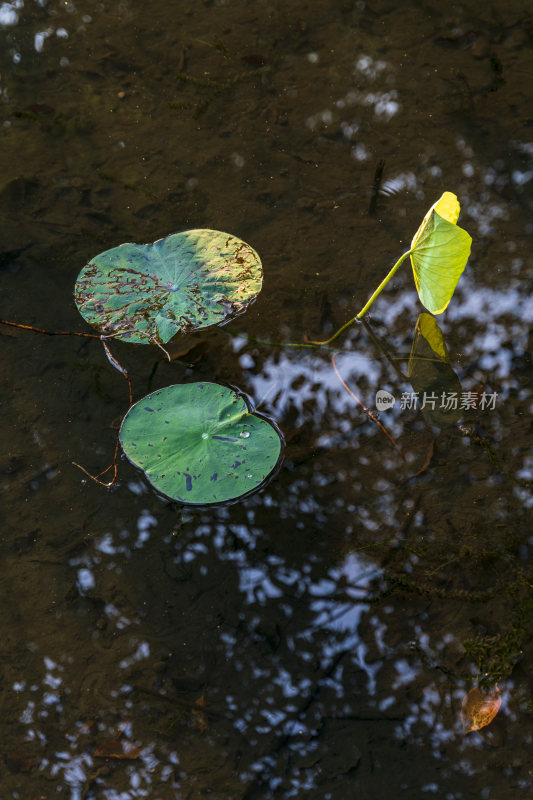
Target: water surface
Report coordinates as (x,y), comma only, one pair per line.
(314,640)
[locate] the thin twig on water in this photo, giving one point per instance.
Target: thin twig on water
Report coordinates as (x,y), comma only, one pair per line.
(365,409)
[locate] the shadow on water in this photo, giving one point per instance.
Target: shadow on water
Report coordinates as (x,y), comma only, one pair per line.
(316,639)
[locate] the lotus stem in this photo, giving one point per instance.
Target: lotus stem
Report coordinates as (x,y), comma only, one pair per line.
(332,338)
(365,308)
(381,286)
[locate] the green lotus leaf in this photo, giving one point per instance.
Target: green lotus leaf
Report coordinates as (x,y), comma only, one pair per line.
(150,292)
(198,443)
(439,252)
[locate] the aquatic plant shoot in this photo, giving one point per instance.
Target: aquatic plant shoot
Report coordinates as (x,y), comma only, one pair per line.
(439,253)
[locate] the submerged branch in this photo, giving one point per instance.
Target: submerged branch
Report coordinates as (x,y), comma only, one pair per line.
(50,333)
(113,466)
(365,409)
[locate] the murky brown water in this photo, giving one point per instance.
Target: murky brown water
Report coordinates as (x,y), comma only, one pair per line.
(314,640)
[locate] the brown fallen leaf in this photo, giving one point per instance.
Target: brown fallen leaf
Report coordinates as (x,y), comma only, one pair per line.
(254,60)
(199,718)
(89,727)
(17,763)
(117,749)
(479,708)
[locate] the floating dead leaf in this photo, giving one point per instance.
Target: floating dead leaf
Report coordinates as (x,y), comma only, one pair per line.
(479,708)
(91,726)
(254,60)
(117,749)
(199,718)
(17,763)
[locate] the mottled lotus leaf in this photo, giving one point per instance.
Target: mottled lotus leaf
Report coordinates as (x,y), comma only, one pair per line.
(150,292)
(198,443)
